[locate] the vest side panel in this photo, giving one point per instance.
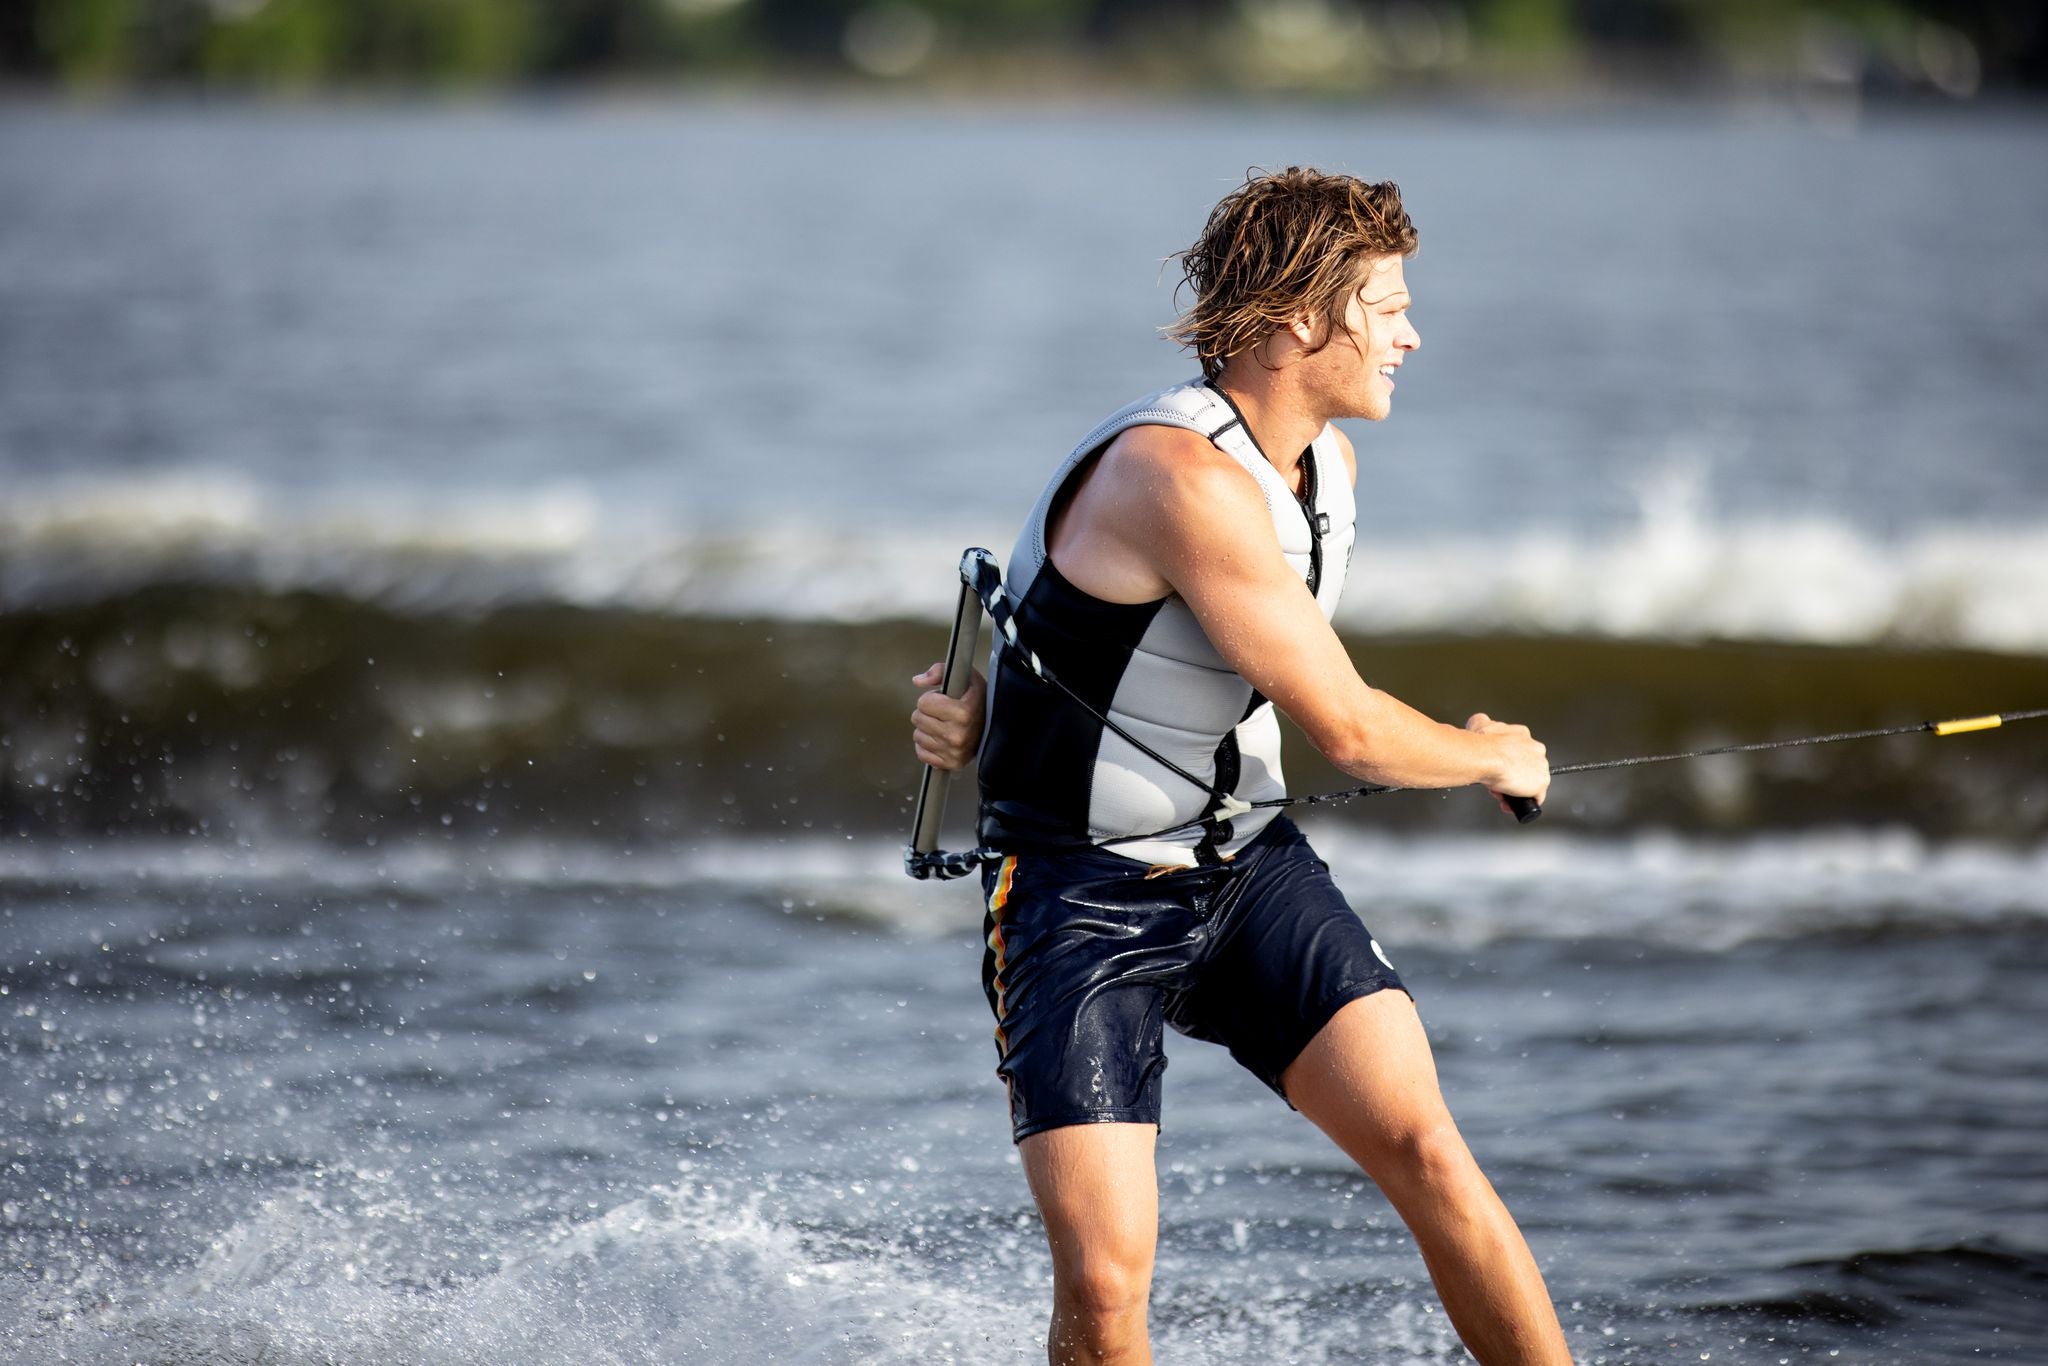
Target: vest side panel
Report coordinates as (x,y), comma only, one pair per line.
(1039,752)
(1182,709)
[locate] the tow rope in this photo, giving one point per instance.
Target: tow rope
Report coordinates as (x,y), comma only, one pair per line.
(981,590)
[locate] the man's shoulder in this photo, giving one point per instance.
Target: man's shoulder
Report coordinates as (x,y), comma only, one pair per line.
(1172,455)
(1172,476)
(1158,441)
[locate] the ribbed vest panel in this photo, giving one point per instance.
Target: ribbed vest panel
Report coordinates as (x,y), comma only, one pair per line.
(1053,776)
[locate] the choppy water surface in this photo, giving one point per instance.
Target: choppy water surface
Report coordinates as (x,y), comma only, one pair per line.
(777,317)
(457,575)
(412,1109)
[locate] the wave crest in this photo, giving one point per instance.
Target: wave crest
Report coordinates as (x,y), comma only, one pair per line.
(1680,574)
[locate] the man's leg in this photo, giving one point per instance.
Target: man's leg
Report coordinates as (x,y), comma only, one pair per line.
(1099,1195)
(1369,1082)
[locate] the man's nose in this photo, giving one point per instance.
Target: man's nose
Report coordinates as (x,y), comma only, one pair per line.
(1408,339)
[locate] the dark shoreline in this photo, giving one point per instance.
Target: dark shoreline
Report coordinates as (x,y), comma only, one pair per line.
(178,708)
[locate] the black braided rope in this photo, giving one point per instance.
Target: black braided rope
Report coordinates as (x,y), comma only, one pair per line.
(988,586)
(1591,766)
(995,600)
(2004,718)
(940,866)
(987,583)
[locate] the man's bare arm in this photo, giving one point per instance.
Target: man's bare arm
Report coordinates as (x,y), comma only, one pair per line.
(1201,523)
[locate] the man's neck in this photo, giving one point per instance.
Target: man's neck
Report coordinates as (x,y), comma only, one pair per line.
(1279,421)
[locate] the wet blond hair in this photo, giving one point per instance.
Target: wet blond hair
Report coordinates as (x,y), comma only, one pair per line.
(1281,246)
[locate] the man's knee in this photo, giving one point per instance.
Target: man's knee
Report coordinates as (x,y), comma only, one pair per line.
(1429,1157)
(1103,1283)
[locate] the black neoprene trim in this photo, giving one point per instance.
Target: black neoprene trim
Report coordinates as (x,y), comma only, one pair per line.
(1306,497)
(1238,415)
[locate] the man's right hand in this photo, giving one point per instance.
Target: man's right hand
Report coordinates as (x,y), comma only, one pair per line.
(1523,765)
(945,731)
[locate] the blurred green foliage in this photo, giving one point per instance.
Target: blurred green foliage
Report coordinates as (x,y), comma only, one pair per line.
(89,40)
(1319,44)
(1525,26)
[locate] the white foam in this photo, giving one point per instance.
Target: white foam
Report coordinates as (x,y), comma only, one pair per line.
(346,1266)
(1679,574)
(1444,889)
(1801,581)
(1657,887)
(343,1268)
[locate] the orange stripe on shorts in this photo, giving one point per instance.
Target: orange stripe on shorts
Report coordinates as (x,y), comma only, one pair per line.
(996,901)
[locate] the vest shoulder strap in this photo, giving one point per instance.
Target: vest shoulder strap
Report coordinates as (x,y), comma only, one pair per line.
(1195,406)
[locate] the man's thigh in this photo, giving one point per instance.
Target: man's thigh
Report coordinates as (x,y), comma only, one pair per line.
(1098,1193)
(1368,1079)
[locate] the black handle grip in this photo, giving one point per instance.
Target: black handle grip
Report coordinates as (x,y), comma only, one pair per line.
(1525,808)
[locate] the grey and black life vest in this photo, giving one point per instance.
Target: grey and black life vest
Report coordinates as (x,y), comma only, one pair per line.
(1052,775)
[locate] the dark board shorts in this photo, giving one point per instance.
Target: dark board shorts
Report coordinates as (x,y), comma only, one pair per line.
(1088,957)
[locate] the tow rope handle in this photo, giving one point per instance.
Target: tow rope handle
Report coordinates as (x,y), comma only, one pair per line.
(918,858)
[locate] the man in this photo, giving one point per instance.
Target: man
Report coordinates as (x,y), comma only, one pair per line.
(1175,581)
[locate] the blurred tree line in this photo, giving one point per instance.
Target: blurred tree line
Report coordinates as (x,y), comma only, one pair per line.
(1950,47)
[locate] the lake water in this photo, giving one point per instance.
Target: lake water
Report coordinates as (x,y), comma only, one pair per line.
(458,568)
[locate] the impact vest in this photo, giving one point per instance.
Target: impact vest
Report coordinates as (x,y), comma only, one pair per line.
(1052,775)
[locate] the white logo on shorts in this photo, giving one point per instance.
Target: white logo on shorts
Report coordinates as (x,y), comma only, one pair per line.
(1381,954)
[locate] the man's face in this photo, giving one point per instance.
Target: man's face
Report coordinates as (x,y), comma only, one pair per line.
(1375,339)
